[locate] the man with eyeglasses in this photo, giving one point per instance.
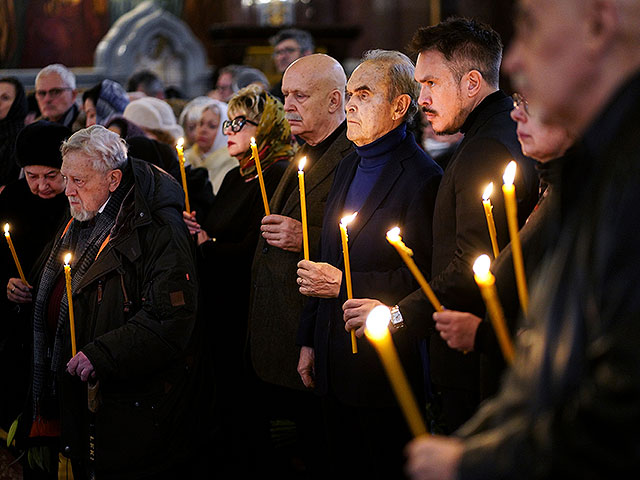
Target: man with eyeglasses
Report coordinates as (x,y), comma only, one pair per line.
(56,95)
(288,46)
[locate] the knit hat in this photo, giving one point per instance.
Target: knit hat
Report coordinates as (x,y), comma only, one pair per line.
(153,114)
(109,99)
(39,144)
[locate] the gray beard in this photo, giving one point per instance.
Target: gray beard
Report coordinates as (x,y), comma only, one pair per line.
(83,215)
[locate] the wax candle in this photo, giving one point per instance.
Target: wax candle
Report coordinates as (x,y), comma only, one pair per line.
(511,207)
(347,268)
(256,159)
(486,282)
(303,208)
(72,325)
(486,203)
(394,238)
(14,254)
(377,331)
(183,174)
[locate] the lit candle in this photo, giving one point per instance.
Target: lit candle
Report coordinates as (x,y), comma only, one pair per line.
(486,282)
(347,268)
(509,191)
(180,149)
(72,325)
(486,203)
(303,208)
(14,254)
(394,238)
(256,159)
(377,331)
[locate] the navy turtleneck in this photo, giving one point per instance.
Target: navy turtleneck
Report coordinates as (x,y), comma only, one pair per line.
(372,159)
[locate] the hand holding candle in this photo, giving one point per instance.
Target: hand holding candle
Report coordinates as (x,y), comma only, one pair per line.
(394,238)
(486,203)
(511,207)
(347,268)
(15,255)
(377,331)
(183,174)
(486,282)
(256,159)
(72,325)
(303,208)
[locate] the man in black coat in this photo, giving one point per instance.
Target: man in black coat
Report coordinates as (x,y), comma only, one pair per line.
(570,405)
(458,66)
(389,181)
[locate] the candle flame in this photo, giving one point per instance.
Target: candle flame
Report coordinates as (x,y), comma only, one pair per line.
(253,142)
(302,163)
(488,191)
(344,221)
(180,143)
(509,173)
(6,229)
(67,258)
(377,324)
(481,266)
(393,235)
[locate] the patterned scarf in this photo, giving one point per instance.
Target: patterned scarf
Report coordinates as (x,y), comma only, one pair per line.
(273,138)
(48,356)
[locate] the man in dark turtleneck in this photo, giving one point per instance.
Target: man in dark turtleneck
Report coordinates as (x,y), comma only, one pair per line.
(458,67)
(389,181)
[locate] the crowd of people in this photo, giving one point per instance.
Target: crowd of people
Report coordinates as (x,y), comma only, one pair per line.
(214,338)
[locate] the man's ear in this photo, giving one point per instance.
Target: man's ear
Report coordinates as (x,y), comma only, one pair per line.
(602,25)
(115,176)
(335,101)
(472,83)
(400,106)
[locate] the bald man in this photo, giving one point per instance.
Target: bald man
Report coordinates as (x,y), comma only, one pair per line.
(570,405)
(314,88)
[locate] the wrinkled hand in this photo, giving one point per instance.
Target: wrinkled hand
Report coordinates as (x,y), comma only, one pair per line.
(319,279)
(433,458)
(282,232)
(18,291)
(458,329)
(356,312)
(81,366)
(305,366)
(191,222)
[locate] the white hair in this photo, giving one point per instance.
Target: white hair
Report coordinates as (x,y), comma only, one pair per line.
(66,75)
(105,148)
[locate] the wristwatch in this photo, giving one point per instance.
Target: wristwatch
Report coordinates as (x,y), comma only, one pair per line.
(396,317)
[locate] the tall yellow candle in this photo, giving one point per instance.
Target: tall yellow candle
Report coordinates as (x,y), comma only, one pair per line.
(377,331)
(183,174)
(394,238)
(303,208)
(347,268)
(256,159)
(14,254)
(486,203)
(486,282)
(511,207)
(72,325)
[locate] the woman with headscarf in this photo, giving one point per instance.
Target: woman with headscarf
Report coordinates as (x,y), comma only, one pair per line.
(104,101)
(209,141)
(13,109)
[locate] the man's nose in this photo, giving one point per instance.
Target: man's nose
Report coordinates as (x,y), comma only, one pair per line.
(424,99)
(70,189)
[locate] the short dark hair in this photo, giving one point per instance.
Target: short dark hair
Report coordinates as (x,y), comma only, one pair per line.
(466,43)
(304,39)
(147,80)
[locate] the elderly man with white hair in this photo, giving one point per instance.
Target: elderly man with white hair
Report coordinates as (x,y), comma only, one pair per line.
(134,299)
(56,96)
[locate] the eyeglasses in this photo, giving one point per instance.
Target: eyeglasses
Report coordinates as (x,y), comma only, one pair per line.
(53,92)
(237,123)
(520,102)
(285,51)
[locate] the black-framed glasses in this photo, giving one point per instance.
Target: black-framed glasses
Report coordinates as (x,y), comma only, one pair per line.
(237,123)
(520,102)
(53,92)
(285,51)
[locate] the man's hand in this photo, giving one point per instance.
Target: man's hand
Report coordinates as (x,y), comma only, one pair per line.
(282,232)
(18,291)
(191,222)
(433,458)
(458,329)
(305,366)
(356,312)
(319,279)
(81,366)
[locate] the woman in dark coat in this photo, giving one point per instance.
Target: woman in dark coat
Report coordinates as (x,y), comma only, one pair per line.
(13,109)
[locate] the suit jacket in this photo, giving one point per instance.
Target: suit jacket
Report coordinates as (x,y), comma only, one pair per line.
(404,195)
(460,232)
(276,303)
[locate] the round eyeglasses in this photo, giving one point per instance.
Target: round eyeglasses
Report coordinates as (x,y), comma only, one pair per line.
(237,123)
(520,102)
